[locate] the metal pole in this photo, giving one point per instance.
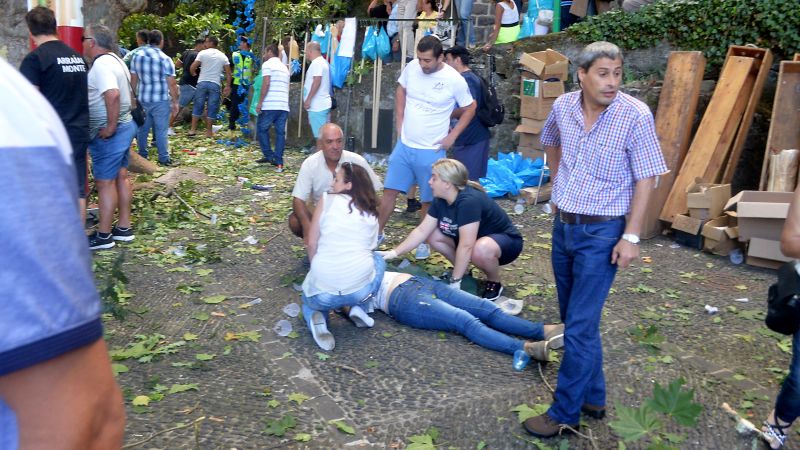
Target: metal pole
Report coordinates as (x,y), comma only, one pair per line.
(302,82)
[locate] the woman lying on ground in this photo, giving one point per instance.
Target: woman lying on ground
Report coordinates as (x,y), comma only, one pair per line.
(465,225)
(430,305)
(344,271)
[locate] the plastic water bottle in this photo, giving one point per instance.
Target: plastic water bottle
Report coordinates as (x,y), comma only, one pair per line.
(736,256)
(292,309)
(283,328)
(519,208)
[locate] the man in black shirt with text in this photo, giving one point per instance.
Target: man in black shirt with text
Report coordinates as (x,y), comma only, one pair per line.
(60,74)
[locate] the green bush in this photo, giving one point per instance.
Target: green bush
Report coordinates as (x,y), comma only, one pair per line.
(706,25)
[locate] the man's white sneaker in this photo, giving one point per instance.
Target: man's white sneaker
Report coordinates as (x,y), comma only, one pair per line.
(170,131)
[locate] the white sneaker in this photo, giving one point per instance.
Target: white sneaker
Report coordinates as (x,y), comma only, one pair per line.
(360,317)
(170,131)
(215,128)
(319,330)
(423,251)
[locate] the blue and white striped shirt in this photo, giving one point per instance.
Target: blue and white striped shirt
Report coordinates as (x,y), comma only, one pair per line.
(152,67)
(599,168)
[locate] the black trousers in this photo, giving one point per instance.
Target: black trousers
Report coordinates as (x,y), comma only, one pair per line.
(233,106)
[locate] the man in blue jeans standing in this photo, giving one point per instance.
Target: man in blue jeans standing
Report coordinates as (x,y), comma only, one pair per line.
(210,63)
(274,107)
(153,78)
(605,158)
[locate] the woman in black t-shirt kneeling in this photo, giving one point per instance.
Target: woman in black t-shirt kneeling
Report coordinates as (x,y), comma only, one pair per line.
(464,225)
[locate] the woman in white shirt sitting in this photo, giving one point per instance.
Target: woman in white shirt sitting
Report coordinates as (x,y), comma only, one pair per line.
(340,243)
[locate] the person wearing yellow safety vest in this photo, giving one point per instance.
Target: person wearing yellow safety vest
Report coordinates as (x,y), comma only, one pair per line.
(242,62)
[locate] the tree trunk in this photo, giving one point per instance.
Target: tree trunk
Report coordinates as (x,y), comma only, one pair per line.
(14,43)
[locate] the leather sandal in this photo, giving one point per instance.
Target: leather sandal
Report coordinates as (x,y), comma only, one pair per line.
(775,434)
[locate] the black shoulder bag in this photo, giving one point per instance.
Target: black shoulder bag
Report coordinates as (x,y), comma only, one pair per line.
(783,301)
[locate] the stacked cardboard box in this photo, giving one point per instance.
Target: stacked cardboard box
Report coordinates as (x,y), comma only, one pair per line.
(705,227)
(761,216)
(543,78)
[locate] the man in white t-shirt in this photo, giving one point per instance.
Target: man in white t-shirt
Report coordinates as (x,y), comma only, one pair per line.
(317,173)
(426,96)
(274,107)
(317,89)
(111,129)
(211,63)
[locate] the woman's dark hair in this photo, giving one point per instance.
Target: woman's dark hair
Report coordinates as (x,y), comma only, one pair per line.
(362,191)
(433,3)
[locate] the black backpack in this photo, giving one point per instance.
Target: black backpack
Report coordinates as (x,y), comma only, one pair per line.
(490,111)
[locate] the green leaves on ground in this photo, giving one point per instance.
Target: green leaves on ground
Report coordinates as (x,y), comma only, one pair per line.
(177,388)
(278,427)
(298,398)
(204,357)
(214,299)
(342,426)
(140,400)
(302,437)
(118,368)
(676,403)
(525,412)
(647,336)
(322,356)
(645,421)
(146,348)
(252,336)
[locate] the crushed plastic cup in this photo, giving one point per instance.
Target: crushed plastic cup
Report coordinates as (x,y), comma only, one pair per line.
(509,306)
(283,328)
(179,251)
(250,240)
(213,219)
(519,207)
(712,309)
(292,309)
(252,302)
(736,256)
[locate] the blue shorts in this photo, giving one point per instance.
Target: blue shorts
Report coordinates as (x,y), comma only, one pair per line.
(207,92)
(408,165)
(317,119)
(187,95)
(110,155)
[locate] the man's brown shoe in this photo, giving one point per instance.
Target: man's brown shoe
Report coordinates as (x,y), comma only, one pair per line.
(594,411)
(537,350)
(555,338)
(544,426)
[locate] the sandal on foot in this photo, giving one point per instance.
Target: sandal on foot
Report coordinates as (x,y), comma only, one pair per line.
(775,434)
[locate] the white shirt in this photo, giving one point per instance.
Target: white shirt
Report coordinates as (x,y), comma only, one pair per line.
(107,72)
(277,98)
(343,262)
(322,98)
(212,65)
(314,178)
(430,99)
(510,14)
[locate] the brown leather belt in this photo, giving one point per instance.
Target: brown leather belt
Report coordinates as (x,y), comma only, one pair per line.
(574,219)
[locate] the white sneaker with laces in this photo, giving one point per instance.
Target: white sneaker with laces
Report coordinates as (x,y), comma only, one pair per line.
(170,131)
(423,251)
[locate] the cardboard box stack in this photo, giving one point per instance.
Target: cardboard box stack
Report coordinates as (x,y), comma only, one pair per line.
(761,216)
(705,227)
(543,79)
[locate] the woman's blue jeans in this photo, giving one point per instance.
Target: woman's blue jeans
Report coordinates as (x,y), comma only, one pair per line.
(582,266)
(326,301)
(464,9)
(431,305)
(787,405)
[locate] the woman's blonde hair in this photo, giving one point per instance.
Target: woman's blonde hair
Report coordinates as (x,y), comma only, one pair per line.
(455,173)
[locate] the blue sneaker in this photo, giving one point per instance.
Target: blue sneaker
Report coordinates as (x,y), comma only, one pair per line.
(521,360)
(423,251)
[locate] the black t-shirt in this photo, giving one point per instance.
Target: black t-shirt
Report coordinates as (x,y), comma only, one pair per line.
(475,131)
(187,59)
(60,73)
(471,205)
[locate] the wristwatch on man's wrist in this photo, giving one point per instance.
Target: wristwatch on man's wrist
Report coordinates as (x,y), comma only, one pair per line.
(632,238)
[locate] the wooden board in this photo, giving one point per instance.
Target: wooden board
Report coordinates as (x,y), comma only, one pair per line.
(677,106)
(761,66)
(715,133)
(784,128)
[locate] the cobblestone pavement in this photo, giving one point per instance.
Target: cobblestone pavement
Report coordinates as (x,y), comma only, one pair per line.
(392,382)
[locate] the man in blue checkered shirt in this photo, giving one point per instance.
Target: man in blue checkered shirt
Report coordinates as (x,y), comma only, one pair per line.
(153,79)
(604,157)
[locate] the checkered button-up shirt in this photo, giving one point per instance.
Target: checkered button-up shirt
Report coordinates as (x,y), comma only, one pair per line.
(599,168)
(152,67)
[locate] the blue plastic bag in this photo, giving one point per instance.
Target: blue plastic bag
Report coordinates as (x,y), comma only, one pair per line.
(369,49)
(510,172)
(384,46)
(322,38)
(526,28)
(340,67)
